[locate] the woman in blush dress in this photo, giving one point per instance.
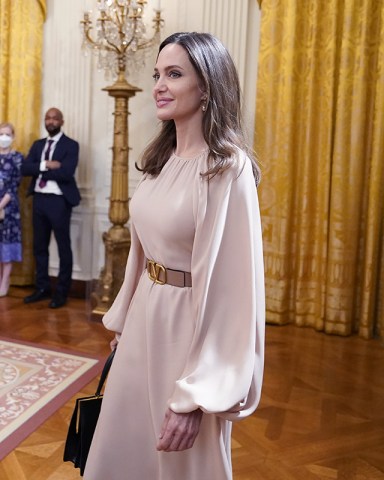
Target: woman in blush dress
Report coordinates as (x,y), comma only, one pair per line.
(10,225)
(189,317)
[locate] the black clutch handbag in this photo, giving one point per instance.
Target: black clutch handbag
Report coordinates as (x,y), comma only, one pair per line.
(83,423)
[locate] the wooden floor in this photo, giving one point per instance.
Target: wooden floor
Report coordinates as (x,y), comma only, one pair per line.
(321,416)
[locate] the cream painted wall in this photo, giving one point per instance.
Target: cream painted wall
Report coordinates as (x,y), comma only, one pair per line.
(72,83)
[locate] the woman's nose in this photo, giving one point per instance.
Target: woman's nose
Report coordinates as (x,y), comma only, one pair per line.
(160,85)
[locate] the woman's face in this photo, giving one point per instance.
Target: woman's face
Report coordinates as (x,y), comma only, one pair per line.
(177,91)
(6,137)
(6,131)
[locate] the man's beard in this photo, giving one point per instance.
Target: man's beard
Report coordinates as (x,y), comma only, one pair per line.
(53,131)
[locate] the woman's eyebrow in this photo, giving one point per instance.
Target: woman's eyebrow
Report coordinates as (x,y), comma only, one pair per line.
(169,67)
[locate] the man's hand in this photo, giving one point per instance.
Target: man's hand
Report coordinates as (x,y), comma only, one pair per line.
(179,430)
(52,164)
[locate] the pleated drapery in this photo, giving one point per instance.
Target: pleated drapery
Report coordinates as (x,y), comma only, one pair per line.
(320,138)
(21,43)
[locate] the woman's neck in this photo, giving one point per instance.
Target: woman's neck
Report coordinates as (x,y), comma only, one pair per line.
(189,141)
(190,152)
(4,151)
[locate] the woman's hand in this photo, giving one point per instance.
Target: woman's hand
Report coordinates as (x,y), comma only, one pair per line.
(113,343)
(4,201)
(179,430)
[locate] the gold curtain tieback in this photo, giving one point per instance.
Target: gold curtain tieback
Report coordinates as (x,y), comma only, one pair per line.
(166,276)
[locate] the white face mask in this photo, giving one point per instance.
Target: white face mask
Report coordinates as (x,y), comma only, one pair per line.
(5,140)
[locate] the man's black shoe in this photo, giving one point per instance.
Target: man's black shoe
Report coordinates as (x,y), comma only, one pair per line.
(37,295)
(57,302)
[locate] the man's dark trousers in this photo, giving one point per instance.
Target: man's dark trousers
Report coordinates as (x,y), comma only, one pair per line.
(52,213)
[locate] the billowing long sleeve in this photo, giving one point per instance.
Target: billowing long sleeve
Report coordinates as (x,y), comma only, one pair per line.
(224,369)
(115,318)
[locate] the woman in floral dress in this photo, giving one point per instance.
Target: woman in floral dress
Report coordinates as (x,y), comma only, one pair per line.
(10,226)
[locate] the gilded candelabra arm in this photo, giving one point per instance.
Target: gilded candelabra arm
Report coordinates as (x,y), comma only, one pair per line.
(87,27)
(109,46)
(158,21)
(118,20)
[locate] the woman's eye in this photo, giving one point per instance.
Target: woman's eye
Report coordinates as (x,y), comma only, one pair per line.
(171,74)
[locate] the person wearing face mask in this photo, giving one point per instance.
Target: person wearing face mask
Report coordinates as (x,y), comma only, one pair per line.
(10,226)
(52,162)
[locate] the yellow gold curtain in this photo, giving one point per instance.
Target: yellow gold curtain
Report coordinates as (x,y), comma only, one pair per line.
(21,39)
(320,136)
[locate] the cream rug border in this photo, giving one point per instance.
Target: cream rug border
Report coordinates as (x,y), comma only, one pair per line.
(50,401)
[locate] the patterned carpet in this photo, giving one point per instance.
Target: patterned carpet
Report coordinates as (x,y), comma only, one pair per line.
(34,383)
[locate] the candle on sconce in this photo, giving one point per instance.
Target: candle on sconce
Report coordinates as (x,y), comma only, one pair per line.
(158,8)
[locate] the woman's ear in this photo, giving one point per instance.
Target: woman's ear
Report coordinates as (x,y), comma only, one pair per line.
(204,102)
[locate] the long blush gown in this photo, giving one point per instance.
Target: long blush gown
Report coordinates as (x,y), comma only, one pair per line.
(186,348)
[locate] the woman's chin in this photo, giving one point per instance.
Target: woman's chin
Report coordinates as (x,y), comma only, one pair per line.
(163,115)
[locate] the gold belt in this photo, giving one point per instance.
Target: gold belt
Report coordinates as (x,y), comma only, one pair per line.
(161,275)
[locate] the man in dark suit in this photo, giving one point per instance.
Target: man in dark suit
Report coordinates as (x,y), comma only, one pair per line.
(51,162)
